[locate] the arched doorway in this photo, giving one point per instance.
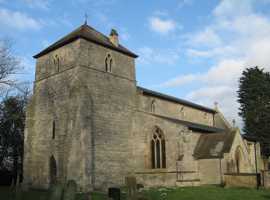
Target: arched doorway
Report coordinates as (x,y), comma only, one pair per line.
(53,170)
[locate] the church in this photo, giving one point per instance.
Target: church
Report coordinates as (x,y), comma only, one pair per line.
(89,121)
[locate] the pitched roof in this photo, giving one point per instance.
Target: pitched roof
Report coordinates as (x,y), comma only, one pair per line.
(193,126)
(214,145)
(174,99)
(90,34)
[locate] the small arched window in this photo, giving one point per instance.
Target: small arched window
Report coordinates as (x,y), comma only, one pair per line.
(153,106)
(56,62)
(158,149)
(108,63)
(182,112)
(53,130)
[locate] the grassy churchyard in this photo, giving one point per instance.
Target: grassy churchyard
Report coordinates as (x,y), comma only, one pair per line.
(187,193)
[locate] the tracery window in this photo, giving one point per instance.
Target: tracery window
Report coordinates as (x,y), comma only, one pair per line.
(108,63)
(158,149)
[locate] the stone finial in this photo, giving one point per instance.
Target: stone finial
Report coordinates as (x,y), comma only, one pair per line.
(114,37)
(216,105)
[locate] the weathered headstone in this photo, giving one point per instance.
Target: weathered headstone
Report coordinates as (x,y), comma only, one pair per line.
(131,184)
(70,190)
(56,191)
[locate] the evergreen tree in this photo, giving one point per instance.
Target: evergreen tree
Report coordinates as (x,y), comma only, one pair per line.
(12,122)
(254,99)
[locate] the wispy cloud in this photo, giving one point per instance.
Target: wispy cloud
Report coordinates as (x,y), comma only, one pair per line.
(41,4)
(157,56)
(238,37)
(18,20)
(162,26)
(183,3)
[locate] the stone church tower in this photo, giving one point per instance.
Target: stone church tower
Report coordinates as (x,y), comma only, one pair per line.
(79,119)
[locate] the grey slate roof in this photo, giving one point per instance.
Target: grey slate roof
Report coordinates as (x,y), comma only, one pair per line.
(90,34)
(214,145)
(174,99)
(193,126)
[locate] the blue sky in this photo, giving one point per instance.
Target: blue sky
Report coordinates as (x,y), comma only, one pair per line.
(194,50)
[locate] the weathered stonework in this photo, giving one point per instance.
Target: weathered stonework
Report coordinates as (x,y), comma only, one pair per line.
(98,125)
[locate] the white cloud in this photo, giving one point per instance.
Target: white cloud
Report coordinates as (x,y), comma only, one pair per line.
(161,56)
(162,26)
(224,95)
(207,37)
(18,20)
(232,8)
(237,38)
(41,4)
(183,3)
(180,80)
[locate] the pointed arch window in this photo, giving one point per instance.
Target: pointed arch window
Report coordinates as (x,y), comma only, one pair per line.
(158,149)
(182,112)
(153,106)
(56,62)
(108,63)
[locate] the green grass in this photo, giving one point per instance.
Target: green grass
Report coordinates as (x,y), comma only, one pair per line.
(207,193)
(186,193)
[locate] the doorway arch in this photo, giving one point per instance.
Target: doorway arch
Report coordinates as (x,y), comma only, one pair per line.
(53,170)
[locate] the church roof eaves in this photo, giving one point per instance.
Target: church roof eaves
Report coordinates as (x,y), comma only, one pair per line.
(176,100)
(90,34)
(194,126)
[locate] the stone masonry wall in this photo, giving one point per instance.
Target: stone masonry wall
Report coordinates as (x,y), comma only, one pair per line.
(179,141)
(175,110)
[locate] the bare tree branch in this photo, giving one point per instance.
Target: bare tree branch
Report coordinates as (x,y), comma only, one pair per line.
(9,65)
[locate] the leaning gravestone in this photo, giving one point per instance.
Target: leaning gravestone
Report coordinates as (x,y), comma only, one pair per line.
(131,184)
(56,191)
(70,190)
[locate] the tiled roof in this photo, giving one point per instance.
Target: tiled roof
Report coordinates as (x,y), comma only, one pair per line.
(214,145)
(90,34)
(174,99)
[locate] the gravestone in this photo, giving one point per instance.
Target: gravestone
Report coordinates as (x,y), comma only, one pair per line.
(131,184)
(70,190)
(56,191)
(114,193)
